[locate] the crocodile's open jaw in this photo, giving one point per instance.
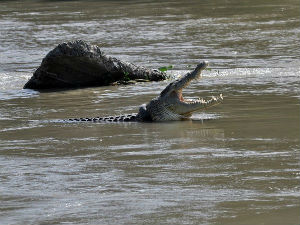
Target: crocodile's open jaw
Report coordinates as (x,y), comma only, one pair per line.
(177,104)
(193,101)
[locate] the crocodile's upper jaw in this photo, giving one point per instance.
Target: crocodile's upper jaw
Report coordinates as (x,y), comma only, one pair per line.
(171,105)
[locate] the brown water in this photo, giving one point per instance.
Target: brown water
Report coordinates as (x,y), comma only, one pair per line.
(242,166)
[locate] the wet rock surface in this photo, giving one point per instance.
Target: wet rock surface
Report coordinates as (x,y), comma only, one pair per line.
(78,64)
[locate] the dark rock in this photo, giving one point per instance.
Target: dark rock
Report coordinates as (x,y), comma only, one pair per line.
(78,64)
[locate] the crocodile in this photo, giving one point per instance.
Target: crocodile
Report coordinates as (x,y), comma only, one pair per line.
(169,105)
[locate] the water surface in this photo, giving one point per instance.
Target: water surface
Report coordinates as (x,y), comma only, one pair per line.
(236,163)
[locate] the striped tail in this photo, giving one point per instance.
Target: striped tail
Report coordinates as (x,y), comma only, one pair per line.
(122,118)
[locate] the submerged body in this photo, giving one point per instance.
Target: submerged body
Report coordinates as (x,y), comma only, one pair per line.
(169,105)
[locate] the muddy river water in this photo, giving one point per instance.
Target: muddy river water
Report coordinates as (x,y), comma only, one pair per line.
(236,163)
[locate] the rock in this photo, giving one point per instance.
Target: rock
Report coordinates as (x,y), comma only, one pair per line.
(78,64)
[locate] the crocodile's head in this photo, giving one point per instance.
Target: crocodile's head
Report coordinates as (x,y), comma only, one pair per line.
(171,105)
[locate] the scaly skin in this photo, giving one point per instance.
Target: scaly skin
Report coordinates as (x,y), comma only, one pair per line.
(169,105)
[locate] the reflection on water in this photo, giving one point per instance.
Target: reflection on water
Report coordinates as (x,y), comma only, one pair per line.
(237,163)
